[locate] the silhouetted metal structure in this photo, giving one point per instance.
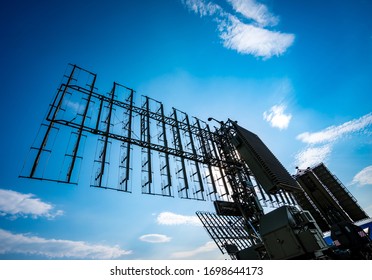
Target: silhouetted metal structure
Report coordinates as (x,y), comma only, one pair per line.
(326,198)
(182,156)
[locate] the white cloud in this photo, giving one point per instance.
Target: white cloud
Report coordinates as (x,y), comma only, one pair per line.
(276,117)
(255,11)
(320,144)
(202,8)
(75,107)
(155,238)
(18,204)
(250,39)
(364,177)
(333,133)
(207,247)
(313,155)
(56,248)
(245,38)
(169,218)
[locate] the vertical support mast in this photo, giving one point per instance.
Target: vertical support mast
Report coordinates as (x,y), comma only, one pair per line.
(125,147)
(106,135)
(99,113)
(80,131)
(179,146)
(146,150)
(243,195)
(127,168)
(63,88)
(198,173)
(207,153)
(167,164)
(220,167)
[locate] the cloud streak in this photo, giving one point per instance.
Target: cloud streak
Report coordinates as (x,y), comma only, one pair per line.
(333,133)
(15,204)
(363,177)
(202,8)
(255,11)
(171,219)
(320,144)
(253,40)
(246,38)
(155,238)
(56,248)
(313,155)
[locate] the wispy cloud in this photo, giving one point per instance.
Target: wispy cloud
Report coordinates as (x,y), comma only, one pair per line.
(363,177)
(207,247)
(250,39)
(334,133)
(202,8)
(15,204)
(169,218)
(74,107)
(313,155)
(258,12)
(276,117)
(55,248)
(245,38)
(320,144)
(155,238)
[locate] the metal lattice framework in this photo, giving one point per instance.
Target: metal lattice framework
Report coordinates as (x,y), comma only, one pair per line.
(179,154)
(231,233)
(172,154)
(326,198)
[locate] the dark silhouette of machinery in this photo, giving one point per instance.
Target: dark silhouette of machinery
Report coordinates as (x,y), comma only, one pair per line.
(184,156)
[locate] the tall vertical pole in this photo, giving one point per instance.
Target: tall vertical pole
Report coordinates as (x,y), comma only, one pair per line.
(148,142)
(127,167)
(50,126)
(80,131)
(207,153)
(106,135)
(178,144)
(220,168)
(165,140)
(200,179)
(99,113)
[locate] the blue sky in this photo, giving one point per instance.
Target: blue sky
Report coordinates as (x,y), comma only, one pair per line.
(297,73)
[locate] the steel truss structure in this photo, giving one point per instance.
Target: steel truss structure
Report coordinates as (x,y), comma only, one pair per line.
(173,154)
(326,198)
(231,233)
(175,150)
